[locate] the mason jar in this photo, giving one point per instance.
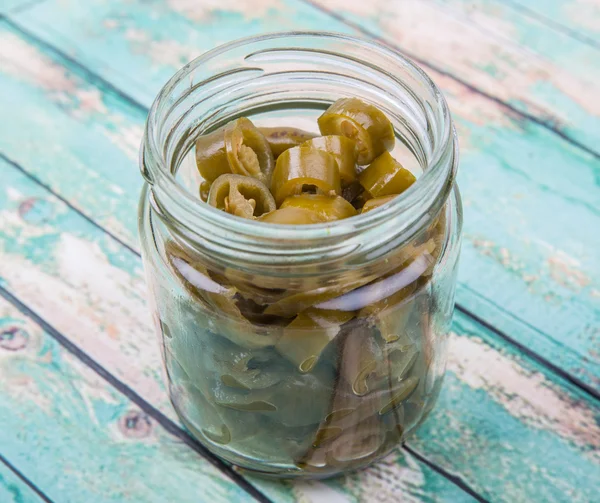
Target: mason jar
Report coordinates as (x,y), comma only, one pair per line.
(300,350)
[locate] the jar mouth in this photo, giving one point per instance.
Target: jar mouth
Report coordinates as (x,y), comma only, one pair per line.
(251,71)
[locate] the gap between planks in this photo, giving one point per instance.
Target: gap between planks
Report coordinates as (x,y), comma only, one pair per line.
(585,388)
(578,383)
(24,479)
(457,480)
(555,25)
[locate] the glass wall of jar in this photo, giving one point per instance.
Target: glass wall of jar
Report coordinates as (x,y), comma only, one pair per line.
(300,350)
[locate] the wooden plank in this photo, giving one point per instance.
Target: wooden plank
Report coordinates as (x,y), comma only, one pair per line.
(14,490)
(492,59)
(76,436)
(12,6)
(577,60)
(136,46)
(577,17)
(41,240)
(492,395)
(480,413)
(535,276)
(149,39)
(97,161)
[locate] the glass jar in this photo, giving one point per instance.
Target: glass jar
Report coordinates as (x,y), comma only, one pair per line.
(301,351)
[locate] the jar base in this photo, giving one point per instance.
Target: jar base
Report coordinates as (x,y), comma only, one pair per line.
(247,466)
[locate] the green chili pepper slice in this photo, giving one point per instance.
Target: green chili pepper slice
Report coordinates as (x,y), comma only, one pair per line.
(376,202)
(241,196)
(386,176)
(327,207)
(282,138)
(364,123)
(297,302)
(248,151)
(228,318)
(306,337)
(301,169)
(344,151)
(211,158)
(297,400)
(238,148)
(293,216)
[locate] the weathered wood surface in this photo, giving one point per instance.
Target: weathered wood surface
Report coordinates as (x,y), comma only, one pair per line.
(579,18)
(497,55)
(507,427)
(14,490)
(13,6)
(506,59)
(82,440)
(545,288)
(480,416)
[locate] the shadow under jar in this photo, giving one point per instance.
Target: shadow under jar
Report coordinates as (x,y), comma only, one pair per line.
(301,351)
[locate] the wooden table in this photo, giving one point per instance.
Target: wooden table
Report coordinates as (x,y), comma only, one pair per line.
(85,417)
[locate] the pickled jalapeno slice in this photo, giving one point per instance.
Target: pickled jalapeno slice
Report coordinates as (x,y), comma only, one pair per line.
(345,153)
(327,207)
(248,151)
(364,123)
(304,169)
(306,337)
(376,202)
(385,176)
(211,157)
(282,138)
(241,196)
(295,303)
(293,216)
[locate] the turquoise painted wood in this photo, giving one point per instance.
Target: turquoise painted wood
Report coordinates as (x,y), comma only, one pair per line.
(511,429)
(14,490)
(492,55)
(12,6)
(493,397)
(577,16)
(561,73)
(80,440)
(556,86)
(146,40)
(545,287)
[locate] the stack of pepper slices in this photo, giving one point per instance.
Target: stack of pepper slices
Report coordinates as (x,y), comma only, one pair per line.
(290,176)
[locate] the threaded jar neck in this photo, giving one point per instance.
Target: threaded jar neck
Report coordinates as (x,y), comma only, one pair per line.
(292,71)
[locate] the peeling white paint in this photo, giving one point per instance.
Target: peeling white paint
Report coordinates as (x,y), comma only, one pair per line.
(390,481)
(161,52)
(100,307)
(528,396)
(314,491)
(24,62)
(202,11)
(127,139)
(585,13)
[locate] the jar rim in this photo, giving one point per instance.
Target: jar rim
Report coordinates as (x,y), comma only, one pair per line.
(188,210)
